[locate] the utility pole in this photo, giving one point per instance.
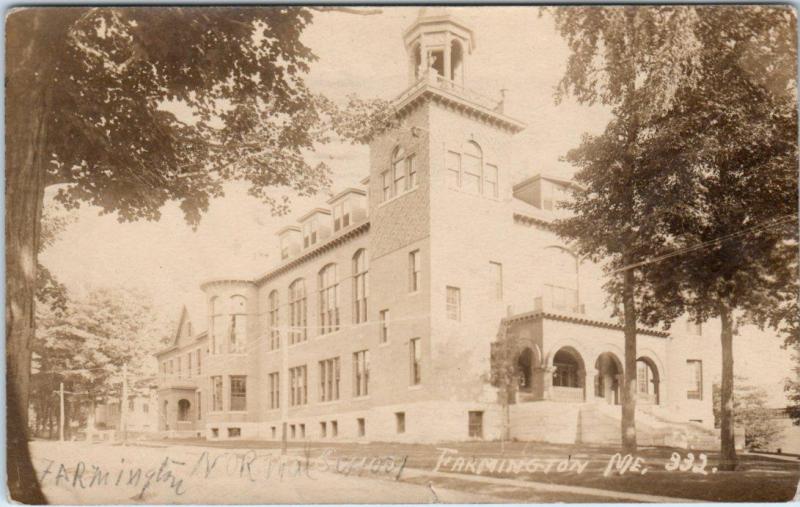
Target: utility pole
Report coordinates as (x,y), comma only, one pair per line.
(61,412)
(123,405)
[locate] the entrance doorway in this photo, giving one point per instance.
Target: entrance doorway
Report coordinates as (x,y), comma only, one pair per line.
(608,376)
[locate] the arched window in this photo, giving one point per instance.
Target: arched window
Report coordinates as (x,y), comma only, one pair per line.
(183,409)
(468,171)
(297,311)
(568,369)
(360,286)
(561,279)
(457,62)
(472,165)
(238,324)
(402,174)
(328,300)
(647,380)
(274,332)
(217,326)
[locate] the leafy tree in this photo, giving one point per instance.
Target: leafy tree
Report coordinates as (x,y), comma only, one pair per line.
(503,372)
(129,108)
(625,58)
(724,158)
(751,412)
(85,345)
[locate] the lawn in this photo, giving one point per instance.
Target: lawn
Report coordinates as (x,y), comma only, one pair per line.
(758,478)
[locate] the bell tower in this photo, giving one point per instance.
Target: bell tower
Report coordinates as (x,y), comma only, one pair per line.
(438,44)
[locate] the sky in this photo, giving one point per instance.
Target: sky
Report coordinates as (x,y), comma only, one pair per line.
(517,48)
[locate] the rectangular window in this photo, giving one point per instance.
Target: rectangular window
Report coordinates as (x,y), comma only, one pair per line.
(695,391)
(215,432)
(642,377)
(309,232)
(234,432)
(216,393)
(414,271)
(400,421)
(293,431)
(238,332)
(199,367)
(411,166)
(476,424)
(334,428)
(146,407)
(490,185)
(274,433)
(415,360)
(497,276)
(323,429)
(471,174)
(302,430)
(361,373)
(384,329)
(238,392)
(362,426)
(693,328)
(341,215)
(386,183)
(189,364)
(329,379)
(180,374)
(453,169)
(274,390)
(399,175)
(199,400)
(453,303)
(171,367)
(299,387)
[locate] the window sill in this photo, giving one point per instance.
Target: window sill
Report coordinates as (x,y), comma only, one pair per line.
(359,398)
(415,387)
(384,344)
(398,196)
(473,194)
(326,403)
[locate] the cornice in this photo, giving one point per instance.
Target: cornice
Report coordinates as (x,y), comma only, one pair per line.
(575,319)
(333,242)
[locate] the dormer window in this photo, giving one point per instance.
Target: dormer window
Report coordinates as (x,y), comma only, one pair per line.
(310,230)
(341,215)
(552,194)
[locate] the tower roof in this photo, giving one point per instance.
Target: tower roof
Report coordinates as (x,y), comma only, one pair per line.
(428,17)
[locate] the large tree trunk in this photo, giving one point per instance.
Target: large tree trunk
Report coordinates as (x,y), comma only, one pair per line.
(629,385)
(27,86)
(728,459)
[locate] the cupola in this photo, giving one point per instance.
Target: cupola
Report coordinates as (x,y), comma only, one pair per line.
(438,45)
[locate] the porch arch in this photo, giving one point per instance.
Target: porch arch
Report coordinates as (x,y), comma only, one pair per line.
(648,380)
(608,377)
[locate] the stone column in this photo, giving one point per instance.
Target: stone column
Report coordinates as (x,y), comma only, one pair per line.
(543,380)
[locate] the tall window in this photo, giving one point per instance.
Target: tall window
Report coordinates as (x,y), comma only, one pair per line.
(329,379)
(399,170)
(274,322)
(453,169)
(238,325)
(189,364)
(216,393)
(298,376)
(386,185)
(476,424)
(490,177)
(218,326)
(497,277)
(466,170)
(453,303)
(183,409)
(415,360)
(414,271)
(361,373)
(180,374)
(561,279)
(695,391)
(471,165)
(238,392)
(199,399)
(199,366)
(274,390)
(310,229)
(411,167)
(297,311)
(341,215)
(328,303)
(384,329)
(360,286)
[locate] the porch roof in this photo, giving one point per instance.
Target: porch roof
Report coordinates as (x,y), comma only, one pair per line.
(581,320)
